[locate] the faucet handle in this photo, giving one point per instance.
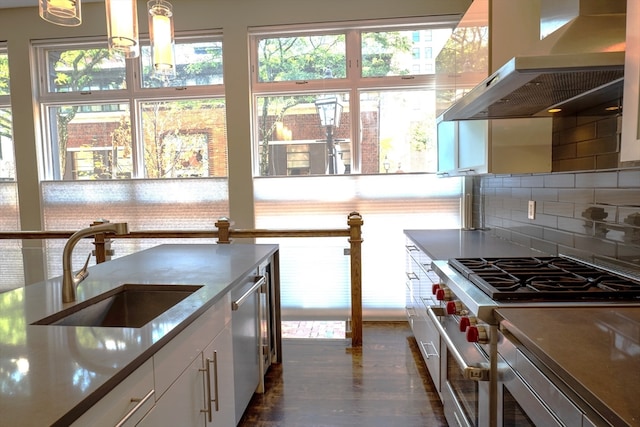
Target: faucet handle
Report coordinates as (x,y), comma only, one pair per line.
(83,272)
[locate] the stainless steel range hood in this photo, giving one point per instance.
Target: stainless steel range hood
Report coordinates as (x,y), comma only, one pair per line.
(576,66)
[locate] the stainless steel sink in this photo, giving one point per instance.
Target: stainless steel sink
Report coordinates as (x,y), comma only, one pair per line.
(127,306)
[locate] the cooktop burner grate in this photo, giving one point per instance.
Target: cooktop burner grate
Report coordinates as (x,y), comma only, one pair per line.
(545,278)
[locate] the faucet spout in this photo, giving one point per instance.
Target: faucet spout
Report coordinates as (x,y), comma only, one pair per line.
(69,282)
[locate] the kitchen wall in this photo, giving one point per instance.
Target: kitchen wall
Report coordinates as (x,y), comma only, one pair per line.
(589,207)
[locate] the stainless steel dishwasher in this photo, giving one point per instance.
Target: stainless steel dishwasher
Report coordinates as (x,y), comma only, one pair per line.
(246,325)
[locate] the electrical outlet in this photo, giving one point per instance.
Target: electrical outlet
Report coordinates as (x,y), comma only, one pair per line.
(531,212)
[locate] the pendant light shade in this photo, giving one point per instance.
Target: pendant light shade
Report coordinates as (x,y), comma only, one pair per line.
(161,36)
(61,12)
(122,27)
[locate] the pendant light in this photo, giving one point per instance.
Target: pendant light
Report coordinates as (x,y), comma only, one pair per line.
(161,37)
(61,12)
(122,27)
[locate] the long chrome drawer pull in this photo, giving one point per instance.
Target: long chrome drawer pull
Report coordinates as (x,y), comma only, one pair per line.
(470,372)
(426,352)
(215,385)
(139,404)
(237,303)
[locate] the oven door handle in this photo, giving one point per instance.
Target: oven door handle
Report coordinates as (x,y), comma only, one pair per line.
(469,372)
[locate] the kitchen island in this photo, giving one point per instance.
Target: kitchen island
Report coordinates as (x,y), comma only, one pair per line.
(51,375)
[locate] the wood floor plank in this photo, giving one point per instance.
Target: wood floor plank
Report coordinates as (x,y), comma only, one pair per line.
(326,383)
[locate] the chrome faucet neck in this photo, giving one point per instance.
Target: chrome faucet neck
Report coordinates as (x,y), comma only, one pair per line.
(69,282)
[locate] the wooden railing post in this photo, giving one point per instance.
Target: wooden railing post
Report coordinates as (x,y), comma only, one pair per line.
(223,225)
(355,239)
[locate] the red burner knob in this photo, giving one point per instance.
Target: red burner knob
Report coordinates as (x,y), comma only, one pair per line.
(464,323)
(472,334)
(440,294)
(477,334)
(454,307)
(434,288)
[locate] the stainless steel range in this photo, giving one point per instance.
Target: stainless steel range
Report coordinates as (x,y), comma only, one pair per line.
(486,380)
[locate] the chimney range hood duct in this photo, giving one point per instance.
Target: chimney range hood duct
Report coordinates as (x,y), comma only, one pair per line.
(578,65)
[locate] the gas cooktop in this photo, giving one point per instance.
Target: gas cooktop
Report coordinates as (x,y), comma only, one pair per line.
(545,279)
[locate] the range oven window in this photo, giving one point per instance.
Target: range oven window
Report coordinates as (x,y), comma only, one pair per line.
(466,391)
(512,413)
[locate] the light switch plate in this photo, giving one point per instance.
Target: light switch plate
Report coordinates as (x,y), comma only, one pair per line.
(531,212)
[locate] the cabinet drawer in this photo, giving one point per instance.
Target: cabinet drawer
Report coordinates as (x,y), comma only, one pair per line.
(122,400)
(177,355)
(428,341)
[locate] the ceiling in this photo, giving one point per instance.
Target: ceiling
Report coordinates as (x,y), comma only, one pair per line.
(6,4)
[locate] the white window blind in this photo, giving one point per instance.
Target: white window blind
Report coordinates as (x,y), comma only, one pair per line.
(11,268)
(315,276)
(162,204)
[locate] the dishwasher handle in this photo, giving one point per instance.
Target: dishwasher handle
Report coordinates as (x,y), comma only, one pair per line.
(235,305)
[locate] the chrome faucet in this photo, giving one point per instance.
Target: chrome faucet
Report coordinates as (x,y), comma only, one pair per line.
(69,280)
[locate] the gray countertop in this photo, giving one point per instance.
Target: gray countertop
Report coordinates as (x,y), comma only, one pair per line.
(455,243)
(47,371)
(595,351)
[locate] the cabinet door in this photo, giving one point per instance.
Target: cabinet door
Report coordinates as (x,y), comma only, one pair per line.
(218,356)
(447,146)
(428,341)
(183,404)
(472,145)
(125,404)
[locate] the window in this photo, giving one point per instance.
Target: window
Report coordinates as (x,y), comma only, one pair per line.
(127,144)
(428,52)
(101,122)
(347,127)
(13,270)
(296,72)
(7,164)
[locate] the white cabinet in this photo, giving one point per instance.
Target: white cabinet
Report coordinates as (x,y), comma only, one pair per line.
(420,281)
(218,356)
(189,370)
(126,404)
(630,145)
(489,34)
(203,394)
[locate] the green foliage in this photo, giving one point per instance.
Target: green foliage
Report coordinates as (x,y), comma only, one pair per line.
(379,50)
(5,114)
(316,57)
(301,58)
(465,51)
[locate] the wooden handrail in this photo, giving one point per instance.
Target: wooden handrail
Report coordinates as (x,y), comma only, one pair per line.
(225,234)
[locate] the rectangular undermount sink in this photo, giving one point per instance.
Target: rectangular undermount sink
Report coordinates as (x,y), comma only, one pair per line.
(127,306)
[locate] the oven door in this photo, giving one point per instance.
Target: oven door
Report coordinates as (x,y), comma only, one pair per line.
(465,369)
(519,405)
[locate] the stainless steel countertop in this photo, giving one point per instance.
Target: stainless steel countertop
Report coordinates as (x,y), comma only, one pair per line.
(51,374)
(595,351)
(455,243)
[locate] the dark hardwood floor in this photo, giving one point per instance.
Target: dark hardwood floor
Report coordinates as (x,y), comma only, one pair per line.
(324,383)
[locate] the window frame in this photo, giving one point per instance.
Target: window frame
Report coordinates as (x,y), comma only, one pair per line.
(134,94)
(5,103)
(353,84)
